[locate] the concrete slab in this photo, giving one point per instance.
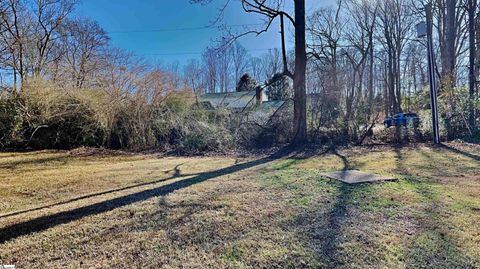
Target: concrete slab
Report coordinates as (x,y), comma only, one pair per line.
(354,177)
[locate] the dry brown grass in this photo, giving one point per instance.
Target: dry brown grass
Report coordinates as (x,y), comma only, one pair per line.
(224,212)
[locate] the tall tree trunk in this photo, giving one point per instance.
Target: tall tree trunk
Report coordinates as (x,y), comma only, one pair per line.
(386,87)
(299,79)
(472,6)
(477,42)
(370,75)
(15,79)
(450,36)
(398,85)
(392,108)
(284,48)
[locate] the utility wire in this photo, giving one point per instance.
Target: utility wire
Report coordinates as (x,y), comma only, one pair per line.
(181,29)
(195,53)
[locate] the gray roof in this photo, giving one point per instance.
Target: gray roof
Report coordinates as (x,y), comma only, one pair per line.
(271,105)
(231,100)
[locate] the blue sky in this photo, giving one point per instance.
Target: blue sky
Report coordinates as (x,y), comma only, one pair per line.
(140,26)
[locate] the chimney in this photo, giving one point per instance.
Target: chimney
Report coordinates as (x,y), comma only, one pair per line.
(259,94)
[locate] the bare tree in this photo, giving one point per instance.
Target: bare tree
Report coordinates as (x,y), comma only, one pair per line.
(31,36)
(272,63)
(84,42)
(256,68)
(50,16)
(299,77)
(239,57)
(325,33)
(396,25)
(4,55)
(211,67)
(364,14)
(452,34)
(472,8)
(14,23)
(192,74)
(224,66)
(271,10)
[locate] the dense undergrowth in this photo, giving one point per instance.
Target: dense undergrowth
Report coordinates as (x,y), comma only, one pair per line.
(43,115)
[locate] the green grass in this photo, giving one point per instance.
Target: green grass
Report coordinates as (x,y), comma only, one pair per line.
(234,254)
(427,200)
(246,213)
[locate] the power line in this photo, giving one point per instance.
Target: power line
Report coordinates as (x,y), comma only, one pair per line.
(182,29)
(195,53)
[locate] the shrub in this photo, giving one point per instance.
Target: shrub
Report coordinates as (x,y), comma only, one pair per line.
(57,118)
(246,83)
(204,136)
(280,87)
(10,121)
(272,128)
(180,124)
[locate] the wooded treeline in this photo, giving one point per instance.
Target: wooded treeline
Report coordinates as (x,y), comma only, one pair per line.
(371,53)
(364,62)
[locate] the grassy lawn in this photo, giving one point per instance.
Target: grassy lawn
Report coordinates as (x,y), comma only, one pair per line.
(81,210)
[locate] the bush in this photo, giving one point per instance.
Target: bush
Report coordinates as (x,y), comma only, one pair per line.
(204,136)
(57,118)
(246,83)
(280,87)
(45,115)
(275,128)
(10,121)
(180,124)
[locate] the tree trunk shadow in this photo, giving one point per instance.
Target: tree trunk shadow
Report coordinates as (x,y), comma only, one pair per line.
(461,152)
(176,174)
(431,246)
(45,222)
(330,237)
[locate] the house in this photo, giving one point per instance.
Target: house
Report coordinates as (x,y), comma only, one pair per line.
(235,100)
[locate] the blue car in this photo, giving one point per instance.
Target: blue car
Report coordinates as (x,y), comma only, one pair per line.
(402,119)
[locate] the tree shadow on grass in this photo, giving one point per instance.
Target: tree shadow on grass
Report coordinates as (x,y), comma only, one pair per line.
(352,229)
(326,234)
(332,235)
(45,222)
(461,152)
(432,245)
(175,170)
(338,218)
(33,161)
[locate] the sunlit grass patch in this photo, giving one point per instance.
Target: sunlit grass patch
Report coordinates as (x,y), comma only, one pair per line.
(406,202)
(248,213)
(303,187)
(433,249)
(234,254)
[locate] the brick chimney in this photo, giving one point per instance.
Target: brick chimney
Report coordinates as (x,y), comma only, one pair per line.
(259,95)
